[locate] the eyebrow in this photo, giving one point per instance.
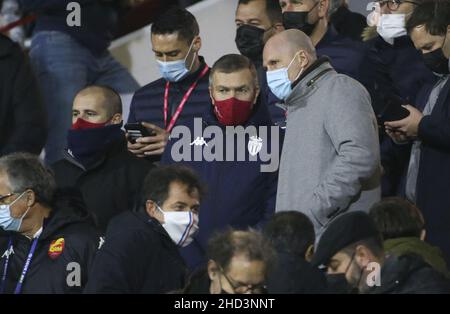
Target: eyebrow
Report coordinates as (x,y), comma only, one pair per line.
(167,52)
(232,87)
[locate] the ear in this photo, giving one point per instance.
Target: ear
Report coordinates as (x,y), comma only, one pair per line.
(309,253)
(197,43)
(363,256)
(152,210)
(211,95)
(31,198)
(323,8)
(116,119)
(304,58)
(257,92)
(213,270)
(278,27)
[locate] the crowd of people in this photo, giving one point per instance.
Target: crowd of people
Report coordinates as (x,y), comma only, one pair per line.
(315,161)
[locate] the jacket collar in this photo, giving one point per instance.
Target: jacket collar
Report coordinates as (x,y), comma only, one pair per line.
(307,82)
(330,36)
(112,149)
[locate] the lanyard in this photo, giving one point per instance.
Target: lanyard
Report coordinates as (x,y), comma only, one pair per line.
(25,267)
(183,101)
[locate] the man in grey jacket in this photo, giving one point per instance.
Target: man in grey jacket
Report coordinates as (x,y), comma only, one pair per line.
(330,162)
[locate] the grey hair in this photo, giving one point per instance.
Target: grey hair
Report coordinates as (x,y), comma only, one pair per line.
(26,171)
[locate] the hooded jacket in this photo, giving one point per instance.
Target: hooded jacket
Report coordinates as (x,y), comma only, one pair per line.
(67,245)
(110,185)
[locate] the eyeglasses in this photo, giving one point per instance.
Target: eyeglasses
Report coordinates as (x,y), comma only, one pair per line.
(393,5)
(241,288)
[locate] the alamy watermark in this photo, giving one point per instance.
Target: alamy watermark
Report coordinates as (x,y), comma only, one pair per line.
(232,143)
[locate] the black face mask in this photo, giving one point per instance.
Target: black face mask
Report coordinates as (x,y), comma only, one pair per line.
(436,61)
(338,284)
(249,41)
(299,20)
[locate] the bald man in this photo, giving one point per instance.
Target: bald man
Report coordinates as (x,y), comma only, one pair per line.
(330,161)
(97,160)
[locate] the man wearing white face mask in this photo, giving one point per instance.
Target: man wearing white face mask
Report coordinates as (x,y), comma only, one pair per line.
(400,71)
(181,93)
(140,253)
(330,158)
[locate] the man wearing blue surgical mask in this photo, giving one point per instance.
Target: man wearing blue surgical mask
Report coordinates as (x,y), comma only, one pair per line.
(346,55)
(182,91)
(330,159)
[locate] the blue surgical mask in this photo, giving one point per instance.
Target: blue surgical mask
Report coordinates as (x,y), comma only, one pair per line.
(7,222)
(175,71)
(279,82)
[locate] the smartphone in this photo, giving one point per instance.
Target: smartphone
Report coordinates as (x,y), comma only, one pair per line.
(137,130)
(393,110)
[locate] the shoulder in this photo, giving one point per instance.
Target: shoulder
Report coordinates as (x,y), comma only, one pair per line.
(129,229)
(149,89)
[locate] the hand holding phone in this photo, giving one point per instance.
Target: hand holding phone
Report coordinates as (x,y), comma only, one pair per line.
(393,110)
(137,130)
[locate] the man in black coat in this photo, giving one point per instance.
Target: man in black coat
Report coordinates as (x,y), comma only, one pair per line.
(97,160)
(53,232)
(23,120)
(292,235)
(140,253)
(351,251)
(427,181)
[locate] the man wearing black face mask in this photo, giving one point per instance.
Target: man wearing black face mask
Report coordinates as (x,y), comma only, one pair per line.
(347,56)
(351,250)
(97,160)
(429,131)
(256,21)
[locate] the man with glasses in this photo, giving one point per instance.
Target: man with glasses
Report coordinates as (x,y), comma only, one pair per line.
(400,72)
(238,264)
(44,233)
(346,55)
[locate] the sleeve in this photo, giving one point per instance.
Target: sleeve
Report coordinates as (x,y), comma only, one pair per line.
(351,126)
(29,116)
(435,131)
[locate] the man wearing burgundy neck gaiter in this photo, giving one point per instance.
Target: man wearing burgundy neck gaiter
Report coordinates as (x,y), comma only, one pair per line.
(97,160)
(239,194)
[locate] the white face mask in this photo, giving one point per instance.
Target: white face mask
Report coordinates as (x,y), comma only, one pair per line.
(391,26)
(181,226)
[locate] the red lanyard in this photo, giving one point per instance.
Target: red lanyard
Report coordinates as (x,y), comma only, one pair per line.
(183,101)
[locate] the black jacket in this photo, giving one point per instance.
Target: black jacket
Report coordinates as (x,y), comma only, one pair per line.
(409,274)
(138,256)
(110,186)
(23,120)
(68,221)
(433,182)
(292,274)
